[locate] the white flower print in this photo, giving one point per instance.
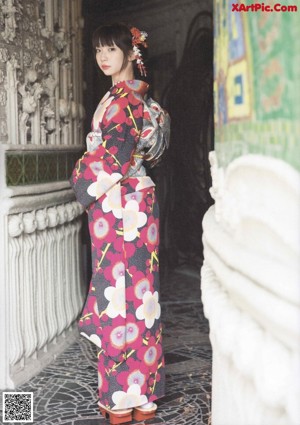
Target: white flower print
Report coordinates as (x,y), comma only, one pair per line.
(141,287)
(112,201)
(116,297)
(101,228)
(149,310)
(132,332)
(117,337)
(134,196)
(144,182)
(95,339)
(104,182)
(96,167)
(150,356)
(118,270)
(131,398)
(132,220)
(136,377)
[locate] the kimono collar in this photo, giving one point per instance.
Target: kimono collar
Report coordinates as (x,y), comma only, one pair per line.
(137,86)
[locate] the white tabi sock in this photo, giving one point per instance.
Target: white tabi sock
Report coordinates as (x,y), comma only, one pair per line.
(147,406)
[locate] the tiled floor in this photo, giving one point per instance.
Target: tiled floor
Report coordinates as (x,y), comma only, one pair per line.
(66,391)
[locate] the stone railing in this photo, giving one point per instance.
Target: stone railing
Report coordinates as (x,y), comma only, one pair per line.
(251,292)
(43,294)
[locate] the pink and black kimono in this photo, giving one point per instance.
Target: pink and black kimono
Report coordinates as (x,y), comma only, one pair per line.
(122,311)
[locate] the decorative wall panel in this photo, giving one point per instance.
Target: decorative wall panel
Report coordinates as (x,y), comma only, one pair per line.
(257,81)
(30,167)
(40,66)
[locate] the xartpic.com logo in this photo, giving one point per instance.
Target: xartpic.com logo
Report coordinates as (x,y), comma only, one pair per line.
(262,7)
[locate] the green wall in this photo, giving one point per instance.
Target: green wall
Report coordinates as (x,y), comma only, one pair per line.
(257,82)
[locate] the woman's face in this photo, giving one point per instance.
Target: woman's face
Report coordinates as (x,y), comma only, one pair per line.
(110,60)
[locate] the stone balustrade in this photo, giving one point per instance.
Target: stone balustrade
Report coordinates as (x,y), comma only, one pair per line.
(44,288)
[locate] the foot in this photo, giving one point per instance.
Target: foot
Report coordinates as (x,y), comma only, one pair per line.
(148,406)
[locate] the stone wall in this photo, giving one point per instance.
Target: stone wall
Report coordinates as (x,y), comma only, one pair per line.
(41,136)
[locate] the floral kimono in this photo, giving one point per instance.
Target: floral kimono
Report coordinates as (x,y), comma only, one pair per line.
(122,311)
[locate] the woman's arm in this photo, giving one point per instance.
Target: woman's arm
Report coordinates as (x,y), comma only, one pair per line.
(97,171)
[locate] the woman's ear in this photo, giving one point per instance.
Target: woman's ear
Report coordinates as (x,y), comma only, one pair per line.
(131,56)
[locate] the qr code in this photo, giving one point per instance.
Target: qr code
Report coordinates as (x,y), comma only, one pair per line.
(17,407)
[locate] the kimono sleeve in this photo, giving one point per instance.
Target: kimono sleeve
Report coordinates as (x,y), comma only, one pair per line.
(98,171)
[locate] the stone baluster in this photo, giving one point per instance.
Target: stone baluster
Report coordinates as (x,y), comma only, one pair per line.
(52,273)
(41,288)
(28,285)
(71,208)
(70,275)
(15,229)
(78,295)
(62,254)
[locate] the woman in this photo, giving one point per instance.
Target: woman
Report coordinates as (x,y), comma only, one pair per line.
(122,311)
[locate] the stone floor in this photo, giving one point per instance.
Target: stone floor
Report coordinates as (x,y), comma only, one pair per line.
(66,391)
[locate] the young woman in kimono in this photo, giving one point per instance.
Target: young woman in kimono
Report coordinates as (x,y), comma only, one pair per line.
(122,311)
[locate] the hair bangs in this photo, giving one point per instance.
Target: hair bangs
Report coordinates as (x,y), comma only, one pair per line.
(103,36)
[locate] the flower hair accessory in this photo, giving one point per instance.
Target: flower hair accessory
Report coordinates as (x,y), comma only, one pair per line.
(139,37)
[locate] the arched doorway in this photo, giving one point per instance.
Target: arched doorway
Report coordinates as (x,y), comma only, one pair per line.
(189,100)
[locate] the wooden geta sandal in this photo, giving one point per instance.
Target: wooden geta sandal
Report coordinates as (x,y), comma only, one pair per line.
(116,417)
(140,414)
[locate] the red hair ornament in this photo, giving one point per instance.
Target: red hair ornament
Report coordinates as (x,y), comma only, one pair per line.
(139,37)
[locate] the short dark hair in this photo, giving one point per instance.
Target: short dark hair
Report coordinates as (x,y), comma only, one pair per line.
(118,34)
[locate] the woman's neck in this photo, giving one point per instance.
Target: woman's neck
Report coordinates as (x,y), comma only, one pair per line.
(122,76)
